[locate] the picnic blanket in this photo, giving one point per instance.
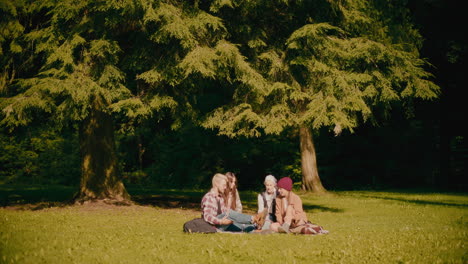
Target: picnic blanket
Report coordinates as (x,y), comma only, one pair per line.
(305,229)
(309,229)
(198,225)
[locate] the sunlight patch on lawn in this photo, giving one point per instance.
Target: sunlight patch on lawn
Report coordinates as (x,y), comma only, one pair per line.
(365,227)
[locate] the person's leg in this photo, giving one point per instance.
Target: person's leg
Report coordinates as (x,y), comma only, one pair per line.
(268,222)
(237,227)
(229,227)
(267,225)
(297,229)
(221,215)
(288,218)
(249,228)
(241,222)
(289,215)
(233,228)
(223,227)
(240,218)
(274,226)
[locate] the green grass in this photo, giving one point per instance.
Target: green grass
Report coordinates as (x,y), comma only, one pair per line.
(365,227)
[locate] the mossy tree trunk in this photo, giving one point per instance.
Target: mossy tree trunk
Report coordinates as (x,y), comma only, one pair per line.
(310,177)
(100,175)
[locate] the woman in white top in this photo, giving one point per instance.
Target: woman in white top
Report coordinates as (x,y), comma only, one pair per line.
(266,200)
(232,194)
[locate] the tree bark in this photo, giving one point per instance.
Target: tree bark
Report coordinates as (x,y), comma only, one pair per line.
(310,177)
(100,175)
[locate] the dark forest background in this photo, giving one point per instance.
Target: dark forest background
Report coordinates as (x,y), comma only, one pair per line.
(427,149)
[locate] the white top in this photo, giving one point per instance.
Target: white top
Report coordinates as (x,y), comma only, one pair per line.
(238,203)
(269,199)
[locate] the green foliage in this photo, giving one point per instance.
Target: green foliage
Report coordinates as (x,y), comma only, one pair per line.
(42,158)
(186,26)
(237,121)
(139,60)
(137,110)
(14,50)
(365,227)
(190,156)
(83,56)
(331,69)
(17,162)
(256,66)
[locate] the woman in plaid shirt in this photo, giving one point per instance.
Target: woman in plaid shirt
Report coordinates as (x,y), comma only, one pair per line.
(215,211)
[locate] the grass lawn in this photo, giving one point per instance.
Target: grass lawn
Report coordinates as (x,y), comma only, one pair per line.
(365,227)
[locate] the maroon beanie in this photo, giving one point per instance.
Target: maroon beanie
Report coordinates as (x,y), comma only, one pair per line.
(285,183)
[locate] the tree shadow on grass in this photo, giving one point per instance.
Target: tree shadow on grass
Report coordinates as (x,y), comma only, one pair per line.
(168,201)
(314,208)
(166,198)
(251,206)
(417,201)
(191,200)
(35,197)
(42,197)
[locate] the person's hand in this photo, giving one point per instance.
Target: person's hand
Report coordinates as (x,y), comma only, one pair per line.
(225,221)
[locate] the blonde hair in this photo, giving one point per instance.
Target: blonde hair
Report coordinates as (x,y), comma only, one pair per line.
(270,178)
(218,177)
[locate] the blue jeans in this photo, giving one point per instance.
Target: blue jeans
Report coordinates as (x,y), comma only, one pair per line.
(240,222)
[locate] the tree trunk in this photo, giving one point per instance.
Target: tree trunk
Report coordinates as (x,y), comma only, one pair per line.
(310,178)
(100,175)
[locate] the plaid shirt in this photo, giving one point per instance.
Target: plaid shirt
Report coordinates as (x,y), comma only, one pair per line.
(209,205)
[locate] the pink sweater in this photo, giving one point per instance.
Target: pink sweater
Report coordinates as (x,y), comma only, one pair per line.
(298,213)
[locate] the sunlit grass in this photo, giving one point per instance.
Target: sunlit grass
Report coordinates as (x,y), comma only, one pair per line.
(365,227)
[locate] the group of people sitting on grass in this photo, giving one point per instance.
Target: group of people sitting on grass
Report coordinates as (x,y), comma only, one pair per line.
(279,209)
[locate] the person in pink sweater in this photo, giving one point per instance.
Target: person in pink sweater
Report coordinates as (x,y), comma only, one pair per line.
(289,212)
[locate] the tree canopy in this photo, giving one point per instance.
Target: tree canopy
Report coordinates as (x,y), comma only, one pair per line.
(244,68)
(334,69)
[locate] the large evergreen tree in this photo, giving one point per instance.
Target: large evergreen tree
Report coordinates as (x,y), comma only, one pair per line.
(93,65)
(99,64)
(330,64)
(75,80)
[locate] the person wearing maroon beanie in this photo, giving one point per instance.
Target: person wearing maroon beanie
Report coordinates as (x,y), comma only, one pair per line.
(289,212)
